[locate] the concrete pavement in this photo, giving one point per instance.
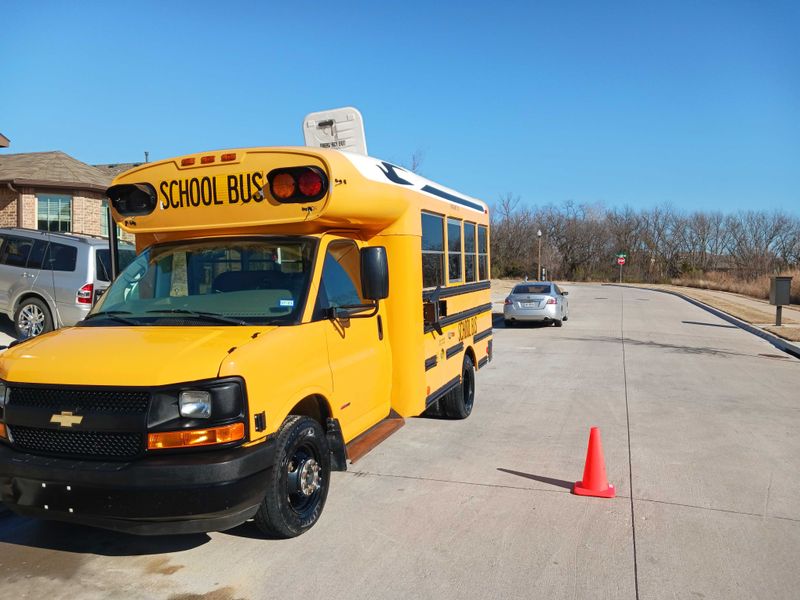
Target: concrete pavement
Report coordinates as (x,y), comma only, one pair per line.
(699,416)
(7,333)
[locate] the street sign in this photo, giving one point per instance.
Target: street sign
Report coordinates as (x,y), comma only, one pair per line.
(620,260)
(622,255)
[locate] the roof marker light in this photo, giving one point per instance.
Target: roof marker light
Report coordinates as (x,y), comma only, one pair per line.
(187,162)
(228,156)
(207,159)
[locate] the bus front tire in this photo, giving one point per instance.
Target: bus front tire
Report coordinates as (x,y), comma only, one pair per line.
(458,403)
(298,483)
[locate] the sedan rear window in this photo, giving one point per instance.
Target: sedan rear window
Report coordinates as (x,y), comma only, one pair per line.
(532,288)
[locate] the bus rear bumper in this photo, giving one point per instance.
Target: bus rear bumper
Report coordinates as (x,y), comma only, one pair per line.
(171,494)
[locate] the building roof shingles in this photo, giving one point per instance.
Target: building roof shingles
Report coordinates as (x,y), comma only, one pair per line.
(52,169)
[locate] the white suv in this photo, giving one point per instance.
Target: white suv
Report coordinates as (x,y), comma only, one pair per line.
(49,280)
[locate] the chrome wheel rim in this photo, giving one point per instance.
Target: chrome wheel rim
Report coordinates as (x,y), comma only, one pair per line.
(31,320)
(309,477)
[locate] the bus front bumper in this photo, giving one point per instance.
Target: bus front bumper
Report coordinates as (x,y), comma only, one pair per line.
(177,493)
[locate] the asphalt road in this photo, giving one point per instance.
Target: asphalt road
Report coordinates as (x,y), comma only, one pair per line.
(698,418)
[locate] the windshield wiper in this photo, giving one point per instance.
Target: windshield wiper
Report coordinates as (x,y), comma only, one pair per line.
(113,315)
(210,316)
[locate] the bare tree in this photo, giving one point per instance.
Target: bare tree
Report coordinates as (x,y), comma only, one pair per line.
(580,241)
(414,163)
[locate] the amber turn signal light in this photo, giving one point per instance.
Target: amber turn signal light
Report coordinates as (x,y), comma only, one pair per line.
(3,433)
(195,437)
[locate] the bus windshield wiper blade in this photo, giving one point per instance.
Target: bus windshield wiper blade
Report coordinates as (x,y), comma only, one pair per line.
(113,315)
(200,315)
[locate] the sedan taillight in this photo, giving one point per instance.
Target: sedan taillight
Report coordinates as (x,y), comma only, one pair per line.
(551,300)
(508,302)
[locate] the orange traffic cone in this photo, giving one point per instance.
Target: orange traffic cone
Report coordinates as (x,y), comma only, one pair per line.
(594,481)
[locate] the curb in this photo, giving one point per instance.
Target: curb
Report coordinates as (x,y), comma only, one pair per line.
(777,341)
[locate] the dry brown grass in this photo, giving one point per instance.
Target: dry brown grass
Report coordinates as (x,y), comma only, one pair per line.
(725,282)
(755,312)
(788,333)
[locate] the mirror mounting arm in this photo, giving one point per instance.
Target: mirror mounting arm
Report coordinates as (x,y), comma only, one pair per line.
(353,311)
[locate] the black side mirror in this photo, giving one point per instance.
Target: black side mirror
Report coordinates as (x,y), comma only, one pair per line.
(374,273)
(565,293)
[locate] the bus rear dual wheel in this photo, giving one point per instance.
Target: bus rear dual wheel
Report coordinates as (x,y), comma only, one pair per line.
(458,403)
(298,484)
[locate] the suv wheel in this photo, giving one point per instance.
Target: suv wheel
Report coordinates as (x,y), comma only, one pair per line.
(32,318)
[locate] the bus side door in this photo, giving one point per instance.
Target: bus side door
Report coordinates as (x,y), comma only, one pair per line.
(358,350)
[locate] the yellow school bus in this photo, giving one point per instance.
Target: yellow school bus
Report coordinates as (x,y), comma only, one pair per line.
(287,310)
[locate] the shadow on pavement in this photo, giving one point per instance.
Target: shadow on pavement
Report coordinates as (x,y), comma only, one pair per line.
(66,537)
(710,324)
(499,323)
(549,480)
(248,530)
(7,327)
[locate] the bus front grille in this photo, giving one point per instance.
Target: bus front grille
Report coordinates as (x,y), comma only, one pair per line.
(79,444)
(108,401)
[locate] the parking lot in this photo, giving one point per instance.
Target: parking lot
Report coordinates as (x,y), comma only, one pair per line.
(699,425)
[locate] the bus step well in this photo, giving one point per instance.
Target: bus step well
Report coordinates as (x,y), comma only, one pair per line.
(373,436)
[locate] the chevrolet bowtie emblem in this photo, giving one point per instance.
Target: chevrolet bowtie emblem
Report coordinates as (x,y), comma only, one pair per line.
(66,419)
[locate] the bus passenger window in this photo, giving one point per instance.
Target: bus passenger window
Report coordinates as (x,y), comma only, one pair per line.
(454,250)
(432,250)
(483,254)
(469,252)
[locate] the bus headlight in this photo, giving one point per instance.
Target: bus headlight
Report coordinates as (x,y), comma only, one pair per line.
(195,404)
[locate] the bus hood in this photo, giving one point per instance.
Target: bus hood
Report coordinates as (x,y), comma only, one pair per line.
(126,356)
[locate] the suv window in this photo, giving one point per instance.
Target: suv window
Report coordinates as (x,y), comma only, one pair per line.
(15,251)
(102,260)
(38,256)
(61,257)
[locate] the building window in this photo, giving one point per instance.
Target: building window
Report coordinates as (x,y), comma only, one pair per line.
(432,250)
(454,250)
(469,252)
(53,212)
(483,253)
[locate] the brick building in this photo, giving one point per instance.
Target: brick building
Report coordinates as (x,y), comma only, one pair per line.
(53,191)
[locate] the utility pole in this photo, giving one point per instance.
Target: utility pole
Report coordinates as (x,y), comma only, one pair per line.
(539,263)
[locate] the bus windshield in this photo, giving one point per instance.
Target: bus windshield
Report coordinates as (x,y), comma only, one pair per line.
(226,281)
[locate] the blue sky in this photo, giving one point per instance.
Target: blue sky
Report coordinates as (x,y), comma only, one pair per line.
(695,104)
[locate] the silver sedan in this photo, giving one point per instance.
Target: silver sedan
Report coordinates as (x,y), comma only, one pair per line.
(541,301)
